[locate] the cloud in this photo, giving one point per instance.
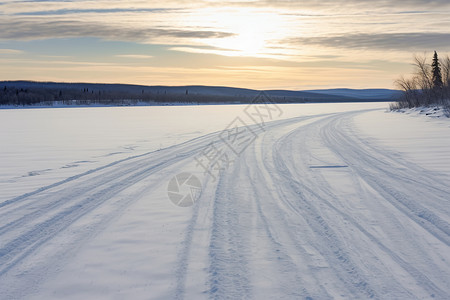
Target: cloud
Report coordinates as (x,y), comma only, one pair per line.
(379,41)
(136,56)
(10,51)
(26,29)
(337,3)
(91,10)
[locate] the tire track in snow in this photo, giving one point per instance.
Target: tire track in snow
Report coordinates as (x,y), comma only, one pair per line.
(17,249)
(42,204)
(320,192)
(35,270)
(188,146)
(325,237)
(265,198)
(324,193)
(305,198)
(288,271)
(228,248)
(35,229)
(378,172)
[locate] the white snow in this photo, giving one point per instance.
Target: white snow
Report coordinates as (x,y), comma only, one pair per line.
(431,111)
(420,135)
(343,201)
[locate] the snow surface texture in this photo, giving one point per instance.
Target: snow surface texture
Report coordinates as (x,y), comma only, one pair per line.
(342,201)
(432,112)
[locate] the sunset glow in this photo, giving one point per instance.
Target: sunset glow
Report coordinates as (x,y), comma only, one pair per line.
(255,44)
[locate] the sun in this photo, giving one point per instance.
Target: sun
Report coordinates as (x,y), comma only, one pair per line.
(248,41)
(251,30)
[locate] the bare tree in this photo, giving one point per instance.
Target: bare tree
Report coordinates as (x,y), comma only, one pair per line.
(424,77)
(424,88)
(445,65)
(445,68)
(410,96)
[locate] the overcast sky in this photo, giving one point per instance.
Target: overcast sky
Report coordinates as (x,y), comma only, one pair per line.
(254,44)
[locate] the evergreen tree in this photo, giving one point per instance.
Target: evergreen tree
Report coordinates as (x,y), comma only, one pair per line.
(436,72)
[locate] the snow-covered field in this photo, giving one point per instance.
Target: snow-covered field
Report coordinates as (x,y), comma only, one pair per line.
(309,201)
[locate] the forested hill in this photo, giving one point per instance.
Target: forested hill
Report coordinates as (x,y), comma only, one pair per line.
(31,92)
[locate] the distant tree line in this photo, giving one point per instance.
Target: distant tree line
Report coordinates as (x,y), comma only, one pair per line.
(26,93)
(429,84)
(10,95)
(48,96)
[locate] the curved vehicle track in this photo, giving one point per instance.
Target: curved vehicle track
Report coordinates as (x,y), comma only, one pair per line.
(310,210)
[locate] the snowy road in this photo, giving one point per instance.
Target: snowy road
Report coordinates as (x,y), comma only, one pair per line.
(310,210)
